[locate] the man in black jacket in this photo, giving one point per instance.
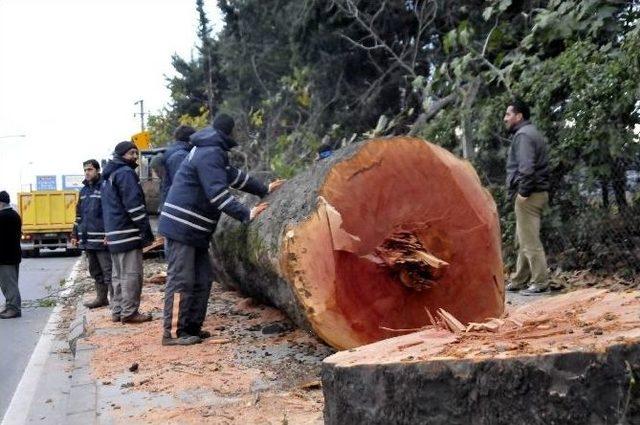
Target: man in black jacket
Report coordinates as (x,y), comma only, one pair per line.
(10,256)
(88,233)
(126,224)
(528,185)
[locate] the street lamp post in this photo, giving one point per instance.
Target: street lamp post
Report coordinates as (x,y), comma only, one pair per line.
(13,136)
(22,167)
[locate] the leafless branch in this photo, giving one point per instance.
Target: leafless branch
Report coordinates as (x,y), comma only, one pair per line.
(349,8)
(434,108)
(486,41)
(255,71)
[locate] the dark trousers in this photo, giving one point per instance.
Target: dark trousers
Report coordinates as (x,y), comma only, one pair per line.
(186,296)
(9,285)
(100,266)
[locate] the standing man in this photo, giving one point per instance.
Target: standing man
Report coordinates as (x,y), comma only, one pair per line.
(88,233)
(173,156)
(528,183)
(127,229)
(171,160)
(198,196)
(10,256)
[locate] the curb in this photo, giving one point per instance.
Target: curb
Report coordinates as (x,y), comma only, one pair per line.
(82,402)
(78,327)
(83,395)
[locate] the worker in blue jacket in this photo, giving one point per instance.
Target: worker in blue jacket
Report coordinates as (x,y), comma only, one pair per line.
(89,235)
(173,156)
(127,229)
(198,196)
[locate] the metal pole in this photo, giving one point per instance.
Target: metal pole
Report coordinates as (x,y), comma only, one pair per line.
(142,113)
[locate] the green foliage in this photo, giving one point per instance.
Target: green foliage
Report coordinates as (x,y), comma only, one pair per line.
(295,72)
(47,302)
(162,125)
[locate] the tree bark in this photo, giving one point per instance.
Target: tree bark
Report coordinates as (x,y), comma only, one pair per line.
(362,242)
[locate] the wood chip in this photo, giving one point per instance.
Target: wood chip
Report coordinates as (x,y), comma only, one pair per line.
(410,344)
(157,243)
(431,260)
(311,385)
(218,341)
(431,319)
(454,324)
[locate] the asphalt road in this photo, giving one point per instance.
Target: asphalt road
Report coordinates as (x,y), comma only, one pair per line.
(18,337)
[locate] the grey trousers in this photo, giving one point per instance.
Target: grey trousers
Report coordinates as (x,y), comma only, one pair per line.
(100,266)
(9,285)
(186,296)
(127,282)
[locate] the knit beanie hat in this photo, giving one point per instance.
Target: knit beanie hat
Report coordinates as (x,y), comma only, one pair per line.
(4,197)
(124,147)
(224,123)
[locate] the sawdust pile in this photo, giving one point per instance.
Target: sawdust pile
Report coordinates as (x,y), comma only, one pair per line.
(256,368)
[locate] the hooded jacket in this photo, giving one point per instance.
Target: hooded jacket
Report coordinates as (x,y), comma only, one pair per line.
(200,191)
(89,225)
(126,223)
(528,161)
(172,158)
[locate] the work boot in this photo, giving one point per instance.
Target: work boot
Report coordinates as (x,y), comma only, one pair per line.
(10,313)
(201,334)
(137,318)
(535,289)
(101,297)
(197,331)
(204,334)
(514,287)
(182,340)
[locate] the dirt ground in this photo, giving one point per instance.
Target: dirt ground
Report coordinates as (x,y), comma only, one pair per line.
(256,368)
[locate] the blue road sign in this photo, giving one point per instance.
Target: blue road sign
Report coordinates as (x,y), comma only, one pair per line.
(72,181)
(46,183)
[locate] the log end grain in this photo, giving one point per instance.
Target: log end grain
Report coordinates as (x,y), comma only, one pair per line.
(571,359)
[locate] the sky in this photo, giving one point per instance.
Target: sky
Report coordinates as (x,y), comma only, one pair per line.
(71,72)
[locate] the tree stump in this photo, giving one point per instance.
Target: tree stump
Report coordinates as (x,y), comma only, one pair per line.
(360,245)
(570,359)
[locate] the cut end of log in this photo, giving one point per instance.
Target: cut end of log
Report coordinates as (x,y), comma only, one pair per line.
(573,356)
(400,226)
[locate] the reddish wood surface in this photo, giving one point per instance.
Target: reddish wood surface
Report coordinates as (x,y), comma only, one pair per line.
(388,187)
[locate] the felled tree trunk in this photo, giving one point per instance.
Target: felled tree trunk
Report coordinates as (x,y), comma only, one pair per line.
(572,359)
(359,246)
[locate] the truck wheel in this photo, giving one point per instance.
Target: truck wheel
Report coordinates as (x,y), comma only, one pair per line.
(35,252)
(74,252)
(26,253)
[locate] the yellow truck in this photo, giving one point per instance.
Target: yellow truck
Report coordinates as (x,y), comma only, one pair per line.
(47,220)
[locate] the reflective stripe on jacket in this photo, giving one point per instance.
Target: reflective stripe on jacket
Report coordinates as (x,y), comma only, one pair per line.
(89,226)
(200,191)
(125,216)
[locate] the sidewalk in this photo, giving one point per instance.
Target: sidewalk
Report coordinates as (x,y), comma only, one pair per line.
(255,369)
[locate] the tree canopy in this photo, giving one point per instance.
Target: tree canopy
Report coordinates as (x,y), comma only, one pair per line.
(297,72)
